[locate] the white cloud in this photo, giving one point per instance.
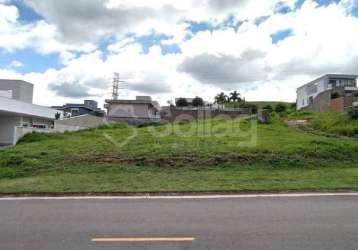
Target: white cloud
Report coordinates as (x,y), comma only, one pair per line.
(323,41)
(16,64)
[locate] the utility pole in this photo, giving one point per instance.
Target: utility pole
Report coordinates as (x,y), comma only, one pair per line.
(116,82)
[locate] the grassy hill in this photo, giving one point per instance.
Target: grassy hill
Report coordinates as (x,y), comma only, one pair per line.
(217,155)
(332,123)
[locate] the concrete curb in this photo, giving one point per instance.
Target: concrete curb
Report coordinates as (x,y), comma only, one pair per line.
(196,195)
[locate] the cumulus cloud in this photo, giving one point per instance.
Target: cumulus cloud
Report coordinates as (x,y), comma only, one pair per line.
(323,40)
(225,70)
(70,89)
(39,36)
(84,20)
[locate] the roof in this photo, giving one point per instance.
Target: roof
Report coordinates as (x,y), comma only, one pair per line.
(74,105)
(327,76)
(17,81)
(12,106)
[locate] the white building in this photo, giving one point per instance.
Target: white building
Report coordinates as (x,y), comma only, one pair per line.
(307,93)
(18,116)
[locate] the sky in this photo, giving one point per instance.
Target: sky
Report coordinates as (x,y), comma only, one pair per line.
(266,49)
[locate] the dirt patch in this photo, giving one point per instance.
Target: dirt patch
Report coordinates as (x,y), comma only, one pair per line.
(297,123)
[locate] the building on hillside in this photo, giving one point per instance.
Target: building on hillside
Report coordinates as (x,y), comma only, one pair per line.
(142,110)
(18,115)
(89,107)
(330,92)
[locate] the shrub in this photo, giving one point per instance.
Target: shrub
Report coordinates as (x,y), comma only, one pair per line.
(250,106)
(181,102)
(268,107)
(198,102)
(335,95)
(280,108)
(353,113)
(36,137)
(118,125)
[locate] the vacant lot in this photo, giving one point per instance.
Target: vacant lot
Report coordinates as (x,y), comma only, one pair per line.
(215,155)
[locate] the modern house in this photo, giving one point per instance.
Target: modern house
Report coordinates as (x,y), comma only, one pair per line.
(18,115)
(330,92)
(142,110)
(89,107)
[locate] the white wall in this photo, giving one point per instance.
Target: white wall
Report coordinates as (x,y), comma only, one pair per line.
(22,131)
(131,111)
(79,122)
(303,95)
(14,106)
(21,90)
(7,129)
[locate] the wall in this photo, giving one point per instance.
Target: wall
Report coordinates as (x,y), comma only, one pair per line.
(134,121)
(79,122)
(118,110)
(305,92)
(37,121)
(177,115)
(15,106)
(322,101)
(7,128)
(22,131)
(342,103)
(21,90)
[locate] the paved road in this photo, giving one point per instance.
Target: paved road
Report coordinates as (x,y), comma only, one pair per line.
(241,223)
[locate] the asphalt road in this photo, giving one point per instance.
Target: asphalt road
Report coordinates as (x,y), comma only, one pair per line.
(230,223)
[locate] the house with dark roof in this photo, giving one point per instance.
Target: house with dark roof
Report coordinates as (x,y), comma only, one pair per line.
(89,107)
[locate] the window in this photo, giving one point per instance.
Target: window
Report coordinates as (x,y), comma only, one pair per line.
(75,111)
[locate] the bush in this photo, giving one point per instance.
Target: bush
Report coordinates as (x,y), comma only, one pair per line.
(335,95)
(116,125)
(268,107)
(353,113)
(36,137)
(198,102)
(181,102)
(280,108)
(250,106)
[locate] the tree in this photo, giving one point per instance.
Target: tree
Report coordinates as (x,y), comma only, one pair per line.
(198,102)
(235,96)
(280,108)
(353,113)
(181,102)
(252,107)
(57,116)
(221,99)
(268,107)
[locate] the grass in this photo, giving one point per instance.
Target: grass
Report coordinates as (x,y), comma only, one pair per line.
(213,155)
(335,123)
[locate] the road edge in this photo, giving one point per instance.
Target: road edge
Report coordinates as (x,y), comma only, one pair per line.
(175,195)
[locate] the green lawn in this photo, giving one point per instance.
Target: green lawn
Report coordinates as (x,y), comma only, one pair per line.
(218,155)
